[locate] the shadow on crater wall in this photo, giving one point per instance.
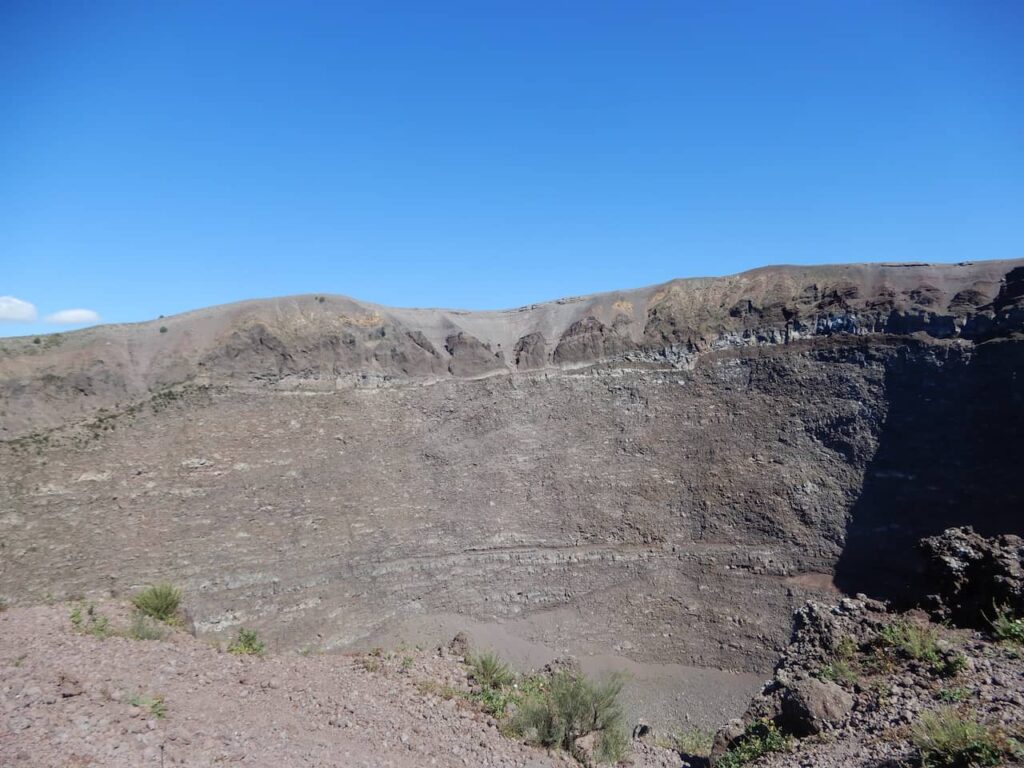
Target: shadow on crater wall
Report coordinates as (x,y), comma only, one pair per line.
(950,453)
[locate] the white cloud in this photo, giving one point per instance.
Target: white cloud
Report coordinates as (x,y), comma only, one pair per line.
(73,317)
(16,310)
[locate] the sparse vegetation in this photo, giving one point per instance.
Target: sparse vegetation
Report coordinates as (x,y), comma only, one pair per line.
(163,329)
(433,688)
(759,739)
(160,601)
(1007,627)
(85,618)
(916,643)
(571,707)
(145,628)
(953,695)
(844,667)
(490,672)
(693,742)
(154,704)
(949,739)
(247,643)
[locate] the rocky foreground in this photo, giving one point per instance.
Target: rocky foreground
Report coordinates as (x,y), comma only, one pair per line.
(860,685)
(76,689)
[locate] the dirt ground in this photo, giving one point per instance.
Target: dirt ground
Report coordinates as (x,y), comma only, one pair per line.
(69,698)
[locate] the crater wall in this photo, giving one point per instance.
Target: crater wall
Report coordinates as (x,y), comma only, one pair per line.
(669,486)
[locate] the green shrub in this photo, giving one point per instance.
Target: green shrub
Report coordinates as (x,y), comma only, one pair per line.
(947,739)
(694,742)
(910,640)
(1006,627)
(160,601)
(839,671)
(571,707)
(918,643)
(489,672)
(247,643)
(759,739)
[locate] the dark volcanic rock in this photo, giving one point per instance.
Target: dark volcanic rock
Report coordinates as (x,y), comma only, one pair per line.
(973,576)
(810,706)
(531,352)
(589,340)
(470,356)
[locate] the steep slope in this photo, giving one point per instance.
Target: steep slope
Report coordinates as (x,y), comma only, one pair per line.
(662,475)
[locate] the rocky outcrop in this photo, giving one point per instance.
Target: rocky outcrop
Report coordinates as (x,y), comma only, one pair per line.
(971,577)
(531,352)
(470,356)
(868,676)
(590,340)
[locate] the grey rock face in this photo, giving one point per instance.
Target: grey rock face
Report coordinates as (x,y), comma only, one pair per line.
(470,356)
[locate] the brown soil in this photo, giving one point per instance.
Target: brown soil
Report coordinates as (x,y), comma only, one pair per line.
(68,698)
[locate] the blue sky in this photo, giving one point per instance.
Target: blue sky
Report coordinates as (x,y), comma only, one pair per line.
(157,157)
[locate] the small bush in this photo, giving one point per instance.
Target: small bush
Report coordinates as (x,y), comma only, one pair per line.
(844,666)
(695,742)
(247,643)
(917,643)
(1006,627)
(910,640)
(759,739)
(160,601)
(839,671)
(572,707)
(85,618)
(947,739)
(145,628)
(163,329)
(953,695)
(490,672)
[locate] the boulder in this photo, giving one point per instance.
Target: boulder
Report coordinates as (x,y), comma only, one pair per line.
(811,706)
(726,736)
